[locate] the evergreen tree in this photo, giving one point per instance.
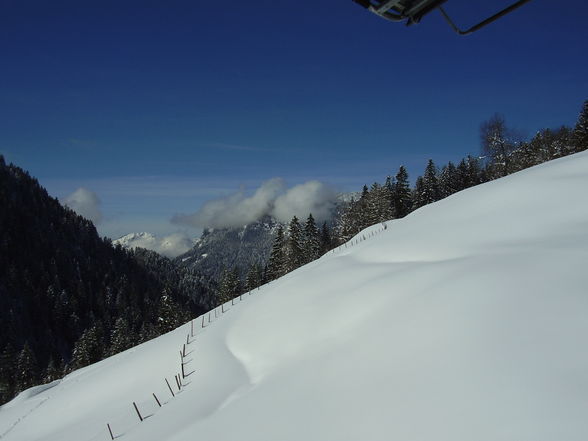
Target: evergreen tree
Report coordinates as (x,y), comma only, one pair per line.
(348,224)
(27,370)
(121,337)
(7,371)
(89,348)
(275,267)
(312,244)
(497,143)
(254,277)
(230,285)
(401,194)
(53,371)
(418,199)
(169,314)
(293,257)
(325,239)
(448,181)
(580,133)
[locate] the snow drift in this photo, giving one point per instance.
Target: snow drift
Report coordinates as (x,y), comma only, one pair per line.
(463,321)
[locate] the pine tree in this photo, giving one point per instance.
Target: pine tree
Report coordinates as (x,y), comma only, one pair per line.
(418,199)
(497,143)
(325,239)
(293,257)
(7,371)
(169,314)
(53,371)
(312,244)
(401,194)
(254,277)
(448,180)
(230,285)
(431,183)
(121,337)
(26,373)
(580,133)
(275,266)
(89,348)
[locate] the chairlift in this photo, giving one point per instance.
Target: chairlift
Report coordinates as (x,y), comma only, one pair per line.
(412,11)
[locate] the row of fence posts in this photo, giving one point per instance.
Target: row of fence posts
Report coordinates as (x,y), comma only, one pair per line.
(358,240)
(182,375)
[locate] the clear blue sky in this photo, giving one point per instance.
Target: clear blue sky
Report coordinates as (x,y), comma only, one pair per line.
(158,106)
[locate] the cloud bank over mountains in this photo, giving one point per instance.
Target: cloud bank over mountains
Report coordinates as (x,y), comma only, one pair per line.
(86,203)
(271,198)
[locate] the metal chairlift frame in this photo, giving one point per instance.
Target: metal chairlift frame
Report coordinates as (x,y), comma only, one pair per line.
(414,10)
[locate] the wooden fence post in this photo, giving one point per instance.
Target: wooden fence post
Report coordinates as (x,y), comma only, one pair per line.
(110,430)
(178,382)
(137,409)
(155,396)
(170,388)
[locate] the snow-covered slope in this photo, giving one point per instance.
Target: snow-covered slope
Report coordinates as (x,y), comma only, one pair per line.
(464,321)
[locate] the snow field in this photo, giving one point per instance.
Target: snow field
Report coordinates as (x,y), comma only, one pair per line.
(462,321)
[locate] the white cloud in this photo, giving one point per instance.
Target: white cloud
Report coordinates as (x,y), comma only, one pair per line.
(311,197)
(271,198)
(86,203)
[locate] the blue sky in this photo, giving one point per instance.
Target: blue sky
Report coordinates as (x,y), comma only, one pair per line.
(158,107)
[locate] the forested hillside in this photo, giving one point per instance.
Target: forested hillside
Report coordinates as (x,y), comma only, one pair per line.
(69,298)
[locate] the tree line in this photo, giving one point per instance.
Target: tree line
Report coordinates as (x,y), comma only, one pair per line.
(503,152)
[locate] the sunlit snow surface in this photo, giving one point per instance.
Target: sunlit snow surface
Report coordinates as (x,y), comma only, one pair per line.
(467,320)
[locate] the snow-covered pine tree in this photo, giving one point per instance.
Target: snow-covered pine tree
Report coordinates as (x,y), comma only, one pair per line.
(88,349)
(293,257)
(418,199)
(121,337)
(27,369)
(254,277)
(312,243)
(275,266)
(53,371)
(401,195)
(580,134)
(325,238)
(169,314)
(448,180)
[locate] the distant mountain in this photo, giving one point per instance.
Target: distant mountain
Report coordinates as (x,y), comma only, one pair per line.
(229,247)
(169,246)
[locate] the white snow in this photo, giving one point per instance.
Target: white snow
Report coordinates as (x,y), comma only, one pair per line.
(465,320)
(171,245)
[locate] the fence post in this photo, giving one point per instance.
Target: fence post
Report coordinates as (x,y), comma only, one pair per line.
(170,388)
(137,409)
(110,430)
(155,396)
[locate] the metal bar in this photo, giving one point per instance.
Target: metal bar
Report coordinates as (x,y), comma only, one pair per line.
(483,23)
